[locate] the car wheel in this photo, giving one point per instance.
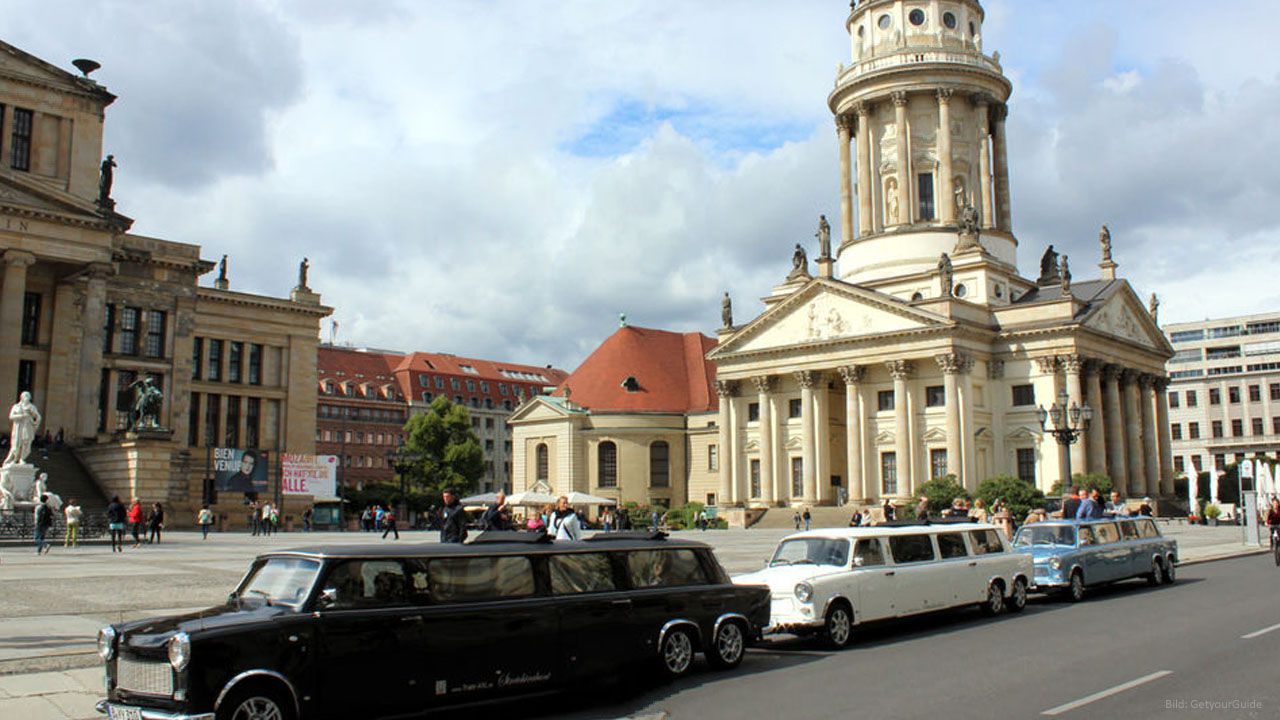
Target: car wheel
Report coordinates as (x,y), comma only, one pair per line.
(1156,576)
(255,702)
(1075,591)
(995,600)
(837,631)
(676,654)
(1170,575)
(1017,601)
(728,646)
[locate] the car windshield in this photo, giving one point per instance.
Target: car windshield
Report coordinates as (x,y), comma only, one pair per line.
(811,551)
(279,581)
(1046,535)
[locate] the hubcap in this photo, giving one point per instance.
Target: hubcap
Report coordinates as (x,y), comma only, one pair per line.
(1077,586)
(729,644)
(258,708)
(839,623)
(1168,572)
(1019,594)
(994,598)
(678,652)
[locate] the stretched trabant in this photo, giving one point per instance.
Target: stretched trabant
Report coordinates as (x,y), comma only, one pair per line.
(824,582)
(391,630)
(1073,555)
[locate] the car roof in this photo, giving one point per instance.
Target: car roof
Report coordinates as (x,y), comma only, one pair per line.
(436,549)
(889,530)
(1059,522)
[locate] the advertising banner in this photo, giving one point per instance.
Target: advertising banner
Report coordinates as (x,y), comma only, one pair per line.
(239,471)
(315,475)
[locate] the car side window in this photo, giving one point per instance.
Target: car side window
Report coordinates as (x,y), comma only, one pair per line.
(657,568)
(1086,536)
(366,584)
(985,542)
(581,573)
(463,579)
(868,550)
(911,548)
(1148,529)
(1129,530)
(951,545)
(1106,533)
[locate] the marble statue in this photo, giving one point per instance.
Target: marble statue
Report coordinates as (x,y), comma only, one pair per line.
(1064,275)
(105,180)
(726,311)
(303,267)
(1048,266)
(147,402)
(222,269)
(24,418)
(799,264)
(824,238)
(41,489)
(1154,307)
(945,274)
(891,189)
(969,220)
(7,495)
(1104,239)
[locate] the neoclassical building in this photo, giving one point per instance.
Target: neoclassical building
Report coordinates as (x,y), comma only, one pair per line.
(916,349)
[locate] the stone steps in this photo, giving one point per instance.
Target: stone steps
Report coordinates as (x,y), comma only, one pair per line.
(781,518)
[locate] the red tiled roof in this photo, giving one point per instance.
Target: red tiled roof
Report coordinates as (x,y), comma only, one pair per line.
(670,369)
(339,363)
(498,376)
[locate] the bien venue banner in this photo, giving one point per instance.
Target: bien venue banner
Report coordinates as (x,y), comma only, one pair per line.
(242,471)
(315,475)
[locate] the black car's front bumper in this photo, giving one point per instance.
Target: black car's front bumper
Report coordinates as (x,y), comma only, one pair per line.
(121,710)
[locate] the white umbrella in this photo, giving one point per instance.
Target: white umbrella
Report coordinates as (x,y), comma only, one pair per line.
(481,499)
(581,498)
(1266,484)
(531,498)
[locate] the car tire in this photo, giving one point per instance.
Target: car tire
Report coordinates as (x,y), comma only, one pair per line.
(257,701)
(728,646)
(1170,574)
(675,656)
(994,604)
(1075,590)
(1156,576)
(837,628)
(1017,600)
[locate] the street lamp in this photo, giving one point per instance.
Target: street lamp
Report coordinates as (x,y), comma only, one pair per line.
(401,460)
(1065,423)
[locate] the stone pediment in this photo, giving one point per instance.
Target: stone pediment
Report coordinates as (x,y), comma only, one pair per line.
(22,66)
(30,197)
(884,437)
(826,311)
(935,435)
(540,409)
(1123,316)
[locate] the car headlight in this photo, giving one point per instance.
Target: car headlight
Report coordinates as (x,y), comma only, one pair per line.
(1055,563)
(107,642)
(179,651)
(804,592)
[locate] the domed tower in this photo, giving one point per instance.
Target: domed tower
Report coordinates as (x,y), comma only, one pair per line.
(926,110)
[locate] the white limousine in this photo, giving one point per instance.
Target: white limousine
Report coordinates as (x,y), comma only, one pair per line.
(826,581)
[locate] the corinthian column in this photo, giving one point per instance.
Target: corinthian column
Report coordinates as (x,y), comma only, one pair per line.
(1133,432)
(946,199)
(1073,365)
(951,365)
(16,263)
(725,389)
(844,130)
(1000,146)
(1150,445)
(866,185)
(901,371)
(764,384)
(905,212)
(983,113)
(1162,434)
(1114,419)
(1096,447)
(853,376)
(807,378)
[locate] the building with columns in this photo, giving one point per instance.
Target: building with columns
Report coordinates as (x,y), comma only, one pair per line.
(916,349)
(88,308)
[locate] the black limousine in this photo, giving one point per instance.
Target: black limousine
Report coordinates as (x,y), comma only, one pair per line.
(393,630)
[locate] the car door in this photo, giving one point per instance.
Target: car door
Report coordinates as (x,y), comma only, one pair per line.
(1112,553)
(1091,558)
(592,605)
(1139,549)
(665,586)
(363,610)
(914,572)
(960,574)
(875,588)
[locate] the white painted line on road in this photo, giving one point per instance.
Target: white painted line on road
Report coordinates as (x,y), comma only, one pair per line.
(1106,693)
(1263,631)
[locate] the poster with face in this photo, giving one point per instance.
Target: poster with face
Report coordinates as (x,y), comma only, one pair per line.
(239,471)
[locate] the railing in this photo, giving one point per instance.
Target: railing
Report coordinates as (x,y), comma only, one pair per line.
(20,525)
(912,56)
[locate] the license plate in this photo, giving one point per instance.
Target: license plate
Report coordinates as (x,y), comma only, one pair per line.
(117,712)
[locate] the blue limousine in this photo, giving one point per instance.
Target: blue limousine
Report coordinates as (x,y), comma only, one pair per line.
(1072,555)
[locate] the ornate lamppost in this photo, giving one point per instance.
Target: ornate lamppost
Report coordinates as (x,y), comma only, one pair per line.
(1066,424)
(400,461)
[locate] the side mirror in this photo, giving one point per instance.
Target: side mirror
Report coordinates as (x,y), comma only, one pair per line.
(858,561)
(328,598)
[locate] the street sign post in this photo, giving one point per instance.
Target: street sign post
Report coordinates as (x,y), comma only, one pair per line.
(1248,504)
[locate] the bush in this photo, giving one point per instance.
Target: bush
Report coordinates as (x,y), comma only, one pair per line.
(1089,481)
(1018,496)
(941,491)
(1212,512)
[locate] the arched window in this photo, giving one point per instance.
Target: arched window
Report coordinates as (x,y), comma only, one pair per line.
(542,473)
(659,464)
(607,463)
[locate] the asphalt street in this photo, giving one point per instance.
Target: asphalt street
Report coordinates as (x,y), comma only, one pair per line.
(1208,646)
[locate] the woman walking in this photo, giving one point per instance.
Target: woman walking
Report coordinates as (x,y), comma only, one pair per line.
(135,521)
(204,519)
(156,522)
(73,514)
(115,523)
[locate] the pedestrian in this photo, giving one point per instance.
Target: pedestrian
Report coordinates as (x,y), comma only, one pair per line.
(922,509)
(890,512)
(807,518)
(73,514)
(702,520)
(43,521)
(797,519)
(204,519)
(135,521)
(264,518)
(275,519)
(498,515)
(1071,502)
(116,517)
(306,520)
(366,518)
(657,520)
(389,524)
(155,521)
(255,518)
(606,520)
(453,525)
(564,524)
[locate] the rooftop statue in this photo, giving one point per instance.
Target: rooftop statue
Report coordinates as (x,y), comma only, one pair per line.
(1104,239)
(945,274)
(799,264)
(726,311)
(824,238)
(1048,267)
(105,180)
(303,267)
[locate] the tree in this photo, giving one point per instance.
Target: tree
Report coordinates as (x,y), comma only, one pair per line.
(941,492)
(445,453)
(1089,481)
(1018,496)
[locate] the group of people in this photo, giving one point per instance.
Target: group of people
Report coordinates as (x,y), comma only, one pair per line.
(264,518)
(148,524)
(43,523)
(379,517)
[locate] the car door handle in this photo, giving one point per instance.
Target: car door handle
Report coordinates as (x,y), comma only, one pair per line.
(891,572)
(625,602)
(411,619)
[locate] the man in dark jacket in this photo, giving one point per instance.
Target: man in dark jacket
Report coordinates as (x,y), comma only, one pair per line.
(44,521)
(498,515)
(453,525)
(1071,503)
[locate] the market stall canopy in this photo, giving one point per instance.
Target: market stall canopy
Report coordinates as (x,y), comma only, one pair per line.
(581,498)
(531,498)
(481,499)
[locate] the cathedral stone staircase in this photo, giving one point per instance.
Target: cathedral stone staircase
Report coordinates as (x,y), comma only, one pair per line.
(782,518)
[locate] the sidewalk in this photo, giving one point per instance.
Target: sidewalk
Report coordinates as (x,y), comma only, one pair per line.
(51,695)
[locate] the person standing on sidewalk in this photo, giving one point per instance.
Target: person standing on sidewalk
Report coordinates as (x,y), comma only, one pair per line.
(204,519)
(135,522)
(116,517)
(453,519)
(43,521)
(389,524)
(74,514)
(155,522)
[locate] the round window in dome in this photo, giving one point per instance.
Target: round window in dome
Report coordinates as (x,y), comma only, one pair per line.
(961,290)
(949,19)
(885,21)
(916,17)
(916,297)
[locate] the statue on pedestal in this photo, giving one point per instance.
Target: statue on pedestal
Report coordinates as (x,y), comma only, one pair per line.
(1049,267)
(1154,307)
(1104,239)
(147,403)
(303,267)
(726,311)
(824,238)
(945,274)
(799,264)
(7,495)
(105,180)
(1064,275)
(24,418)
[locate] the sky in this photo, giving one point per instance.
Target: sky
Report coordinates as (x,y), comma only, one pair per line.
(501,179)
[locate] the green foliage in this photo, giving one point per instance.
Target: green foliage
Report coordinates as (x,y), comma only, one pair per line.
(1018,496)
(1212,512)
(941,492)
(446,452)
(384,494)
(1089,481)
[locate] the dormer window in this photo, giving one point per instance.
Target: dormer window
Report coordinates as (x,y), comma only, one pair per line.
(631,384)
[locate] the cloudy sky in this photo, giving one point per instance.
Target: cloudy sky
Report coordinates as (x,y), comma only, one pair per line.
(501,179)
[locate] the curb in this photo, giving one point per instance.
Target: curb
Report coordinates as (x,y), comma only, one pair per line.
(1232,556)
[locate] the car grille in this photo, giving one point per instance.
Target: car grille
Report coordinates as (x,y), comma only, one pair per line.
(150,677)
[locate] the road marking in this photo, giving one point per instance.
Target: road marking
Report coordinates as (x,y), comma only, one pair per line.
(1263,631)
(1106,693)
